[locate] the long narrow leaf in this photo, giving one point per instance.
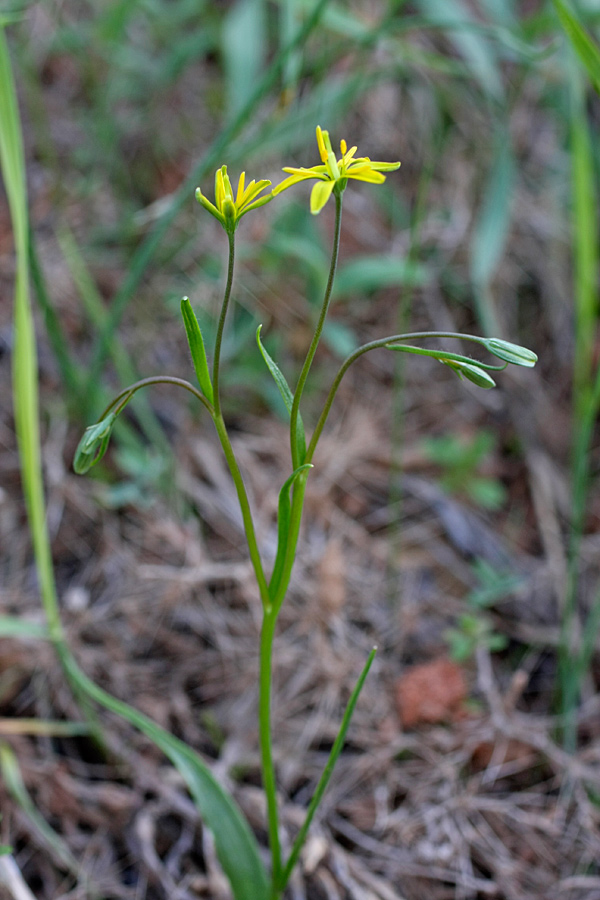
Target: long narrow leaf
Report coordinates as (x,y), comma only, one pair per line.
(70,371)
(328,771)
(284,390)
(235,844)
(25,390)
(473,47)
(244,50)
(14,626)
(11,775)
(585,48)
(490,231)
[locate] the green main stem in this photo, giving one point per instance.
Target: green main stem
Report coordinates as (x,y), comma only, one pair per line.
(269,613)
(271,610)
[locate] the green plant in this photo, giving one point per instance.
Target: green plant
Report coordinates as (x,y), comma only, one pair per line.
(239,856)
(460,461)
(475,628)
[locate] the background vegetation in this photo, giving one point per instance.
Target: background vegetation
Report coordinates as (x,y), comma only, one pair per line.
(455,528)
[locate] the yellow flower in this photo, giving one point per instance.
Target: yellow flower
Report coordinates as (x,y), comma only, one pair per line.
(227,209)
(334,171)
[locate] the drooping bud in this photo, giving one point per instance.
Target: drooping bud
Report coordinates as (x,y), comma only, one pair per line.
(511,353)
(471,372)
(93,444)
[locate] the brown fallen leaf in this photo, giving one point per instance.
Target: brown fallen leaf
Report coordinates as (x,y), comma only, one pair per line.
(431,692)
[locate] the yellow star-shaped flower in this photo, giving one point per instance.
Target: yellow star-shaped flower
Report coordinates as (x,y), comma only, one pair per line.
(227,209)
(334,171)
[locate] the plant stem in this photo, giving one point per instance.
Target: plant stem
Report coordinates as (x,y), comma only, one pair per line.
(128,392)
(317,335)
(271,610)
(245,509)
(221,325)
(264,726)
(374,345)
(221,428)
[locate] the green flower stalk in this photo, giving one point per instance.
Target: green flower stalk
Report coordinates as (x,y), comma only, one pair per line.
(331,176)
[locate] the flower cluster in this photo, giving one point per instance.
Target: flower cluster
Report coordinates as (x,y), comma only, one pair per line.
(332,174)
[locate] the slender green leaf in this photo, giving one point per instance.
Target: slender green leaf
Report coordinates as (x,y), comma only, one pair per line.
(328,771)
(586,392)
(477,52)
(284,390)
(196,342)
(370,273)
(45,727)
(70,371)
(94,306)
(283,527)
(25,390)
(14,626)
(13,779)
(244,51)
(585,47)
(235,843)
(490,230)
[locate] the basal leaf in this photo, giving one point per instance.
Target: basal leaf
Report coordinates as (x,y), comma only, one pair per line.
(235,843)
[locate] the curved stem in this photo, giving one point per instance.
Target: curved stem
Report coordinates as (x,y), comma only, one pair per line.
(128,392)
(316,337)
(384,342)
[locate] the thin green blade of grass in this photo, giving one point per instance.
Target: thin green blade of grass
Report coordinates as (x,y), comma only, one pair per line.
(145,253)
(289,14)
(16,627)
(235,843)
(70,372)
(381,270)
(24,363)
(584,46)
(11,775)
(244,51)
(11,877)
(98,315)
(586,393)
(43,727)
(327,772)
(473,47)
(490,232)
